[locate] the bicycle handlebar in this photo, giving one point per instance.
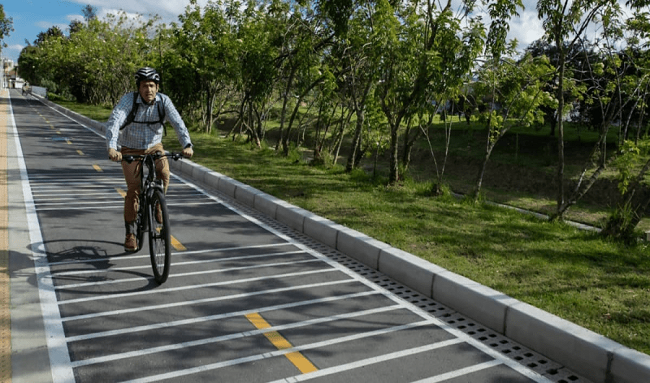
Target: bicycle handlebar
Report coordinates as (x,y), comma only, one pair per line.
(157,155)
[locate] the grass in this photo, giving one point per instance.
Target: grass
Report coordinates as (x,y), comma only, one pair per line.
(574,274)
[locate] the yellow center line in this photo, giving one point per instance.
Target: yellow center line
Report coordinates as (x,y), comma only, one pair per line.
(303,364)
(96,167)
(176,244)
(69,142)
(80,152)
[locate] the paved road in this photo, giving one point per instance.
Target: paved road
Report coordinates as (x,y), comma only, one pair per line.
(247,299)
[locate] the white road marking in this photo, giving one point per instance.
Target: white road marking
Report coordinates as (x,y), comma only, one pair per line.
(183,322)
(192,287)
(223,338)
(204,300)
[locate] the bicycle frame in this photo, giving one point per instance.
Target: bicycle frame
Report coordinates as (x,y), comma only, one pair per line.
(152,216)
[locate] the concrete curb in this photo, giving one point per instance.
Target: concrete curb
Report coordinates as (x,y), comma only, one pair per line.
(589,354)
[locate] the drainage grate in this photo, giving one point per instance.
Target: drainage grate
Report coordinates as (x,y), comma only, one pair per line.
(522,355)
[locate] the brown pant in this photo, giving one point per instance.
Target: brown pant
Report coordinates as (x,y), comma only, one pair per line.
(132,176)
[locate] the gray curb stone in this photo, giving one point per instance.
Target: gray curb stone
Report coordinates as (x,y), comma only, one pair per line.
(589,354)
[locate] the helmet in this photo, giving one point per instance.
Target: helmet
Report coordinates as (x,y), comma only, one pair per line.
(146,74)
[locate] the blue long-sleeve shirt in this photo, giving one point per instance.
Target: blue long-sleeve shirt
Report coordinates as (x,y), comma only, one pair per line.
(143,136)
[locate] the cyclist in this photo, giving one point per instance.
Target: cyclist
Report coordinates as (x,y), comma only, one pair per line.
(140,116)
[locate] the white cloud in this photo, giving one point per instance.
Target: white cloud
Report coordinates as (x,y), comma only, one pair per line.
(72,18)
(15,47)
(526,28)
(45,25)
(167,10)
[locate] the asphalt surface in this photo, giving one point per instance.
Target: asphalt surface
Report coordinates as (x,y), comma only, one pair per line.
(247,300)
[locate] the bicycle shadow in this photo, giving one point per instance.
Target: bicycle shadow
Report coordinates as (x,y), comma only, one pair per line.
(65,257)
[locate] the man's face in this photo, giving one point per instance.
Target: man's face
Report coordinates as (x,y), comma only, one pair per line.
(148,91)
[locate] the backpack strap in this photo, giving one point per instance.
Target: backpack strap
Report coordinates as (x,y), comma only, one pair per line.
(130,118)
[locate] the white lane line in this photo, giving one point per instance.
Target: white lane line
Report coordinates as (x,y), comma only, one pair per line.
(56,274)
(215,250)
(44,205)
(194,287)
(178,346)
(370,361)
(56,345)
(179,275)
(330,342)
(183,322)
(204,300)
(58,179)
(121,206)
(460,372)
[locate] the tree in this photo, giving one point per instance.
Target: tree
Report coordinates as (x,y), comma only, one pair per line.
(53,32)
(6,26)
(429,53)
(633,163)
(90,13)
(201,58)
(564,23)
(518,88)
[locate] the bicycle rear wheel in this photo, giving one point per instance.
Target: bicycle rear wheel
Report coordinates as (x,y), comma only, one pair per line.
(159,237)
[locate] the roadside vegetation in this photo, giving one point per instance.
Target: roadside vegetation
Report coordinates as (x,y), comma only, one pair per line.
(402,119)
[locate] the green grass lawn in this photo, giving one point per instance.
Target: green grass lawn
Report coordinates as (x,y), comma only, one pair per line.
(574,274)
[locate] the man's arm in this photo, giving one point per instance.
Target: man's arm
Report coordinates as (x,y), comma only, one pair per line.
(176,121)
(117,118)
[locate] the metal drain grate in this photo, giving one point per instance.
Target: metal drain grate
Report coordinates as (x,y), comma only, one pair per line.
(522,355)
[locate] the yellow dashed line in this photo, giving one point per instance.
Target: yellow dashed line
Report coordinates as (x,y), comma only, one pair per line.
(303,364)
(96,167)
(80,152)
(69,142)
(122,192)
(177,245)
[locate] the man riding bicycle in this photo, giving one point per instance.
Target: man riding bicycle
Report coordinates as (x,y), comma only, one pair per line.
(139,117)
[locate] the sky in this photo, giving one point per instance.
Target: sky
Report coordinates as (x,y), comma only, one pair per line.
(30,17)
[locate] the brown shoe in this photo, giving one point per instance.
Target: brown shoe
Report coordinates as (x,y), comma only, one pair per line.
(130,243)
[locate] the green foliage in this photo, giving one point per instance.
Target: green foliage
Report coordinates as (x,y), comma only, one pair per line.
(6,26)
(95,63)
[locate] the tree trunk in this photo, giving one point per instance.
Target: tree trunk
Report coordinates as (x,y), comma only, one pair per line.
(283,114)
(560,138)
(356,141)
(393,175)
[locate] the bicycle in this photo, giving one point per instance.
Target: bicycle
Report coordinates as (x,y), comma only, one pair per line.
(152,198)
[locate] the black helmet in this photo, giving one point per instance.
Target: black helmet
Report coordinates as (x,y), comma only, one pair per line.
(146,74)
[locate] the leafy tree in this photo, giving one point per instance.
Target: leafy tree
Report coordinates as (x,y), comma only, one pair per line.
(89,12)
(6,26)
(518,88)
(564,23)
(53,32)
(428,66)
(201,58)
(633,163)
(301,46)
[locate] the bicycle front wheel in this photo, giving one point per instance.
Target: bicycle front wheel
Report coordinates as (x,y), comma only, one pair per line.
(159,237)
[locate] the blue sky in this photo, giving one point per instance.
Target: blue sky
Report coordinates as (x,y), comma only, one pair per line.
(30,17)
(33,16)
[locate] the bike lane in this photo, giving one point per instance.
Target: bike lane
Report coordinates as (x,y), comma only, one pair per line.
(247,300)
